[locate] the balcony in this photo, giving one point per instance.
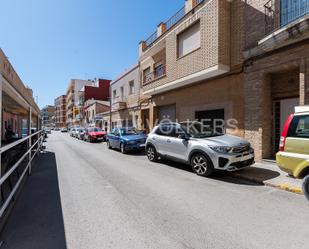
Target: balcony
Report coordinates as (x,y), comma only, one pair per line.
(156,74)
(281,13)
(164,27)
(119,105)
(186,56)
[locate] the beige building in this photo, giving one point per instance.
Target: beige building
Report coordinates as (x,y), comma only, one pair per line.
(72,106)
(93,110)
(125,97)
(191,67)
(60,111)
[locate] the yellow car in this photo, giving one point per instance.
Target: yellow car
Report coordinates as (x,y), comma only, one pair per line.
(293,155)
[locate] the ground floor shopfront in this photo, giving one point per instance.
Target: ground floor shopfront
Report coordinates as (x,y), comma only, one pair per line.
(218,102)
(274,85)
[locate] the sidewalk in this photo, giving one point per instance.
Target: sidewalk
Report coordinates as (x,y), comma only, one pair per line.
(269,174)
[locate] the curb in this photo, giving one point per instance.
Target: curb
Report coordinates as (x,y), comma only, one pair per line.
(281,186)
(286,187)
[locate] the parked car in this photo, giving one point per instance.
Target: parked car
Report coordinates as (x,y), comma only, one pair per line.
(81,133)
(94,134)
(293,155)
(57,129)
(47,130)
(64,129)
(74,132)
(126,139)
(203,148)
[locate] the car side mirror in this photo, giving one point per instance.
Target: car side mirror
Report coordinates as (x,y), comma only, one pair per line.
(183,136)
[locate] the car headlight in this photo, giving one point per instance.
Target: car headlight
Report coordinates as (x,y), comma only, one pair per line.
(221,149)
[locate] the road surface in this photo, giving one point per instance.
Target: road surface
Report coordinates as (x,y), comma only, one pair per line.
(111,200)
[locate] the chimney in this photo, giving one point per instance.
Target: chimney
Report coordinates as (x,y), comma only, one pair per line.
(190,4)
(142,47)
(161,29)
(30,92)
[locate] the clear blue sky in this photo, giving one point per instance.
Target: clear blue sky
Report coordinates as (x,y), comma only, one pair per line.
(51,41)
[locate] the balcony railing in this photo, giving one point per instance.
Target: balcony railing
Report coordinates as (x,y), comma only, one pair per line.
(159,72)
(170,23)
(287,11)
(119,105)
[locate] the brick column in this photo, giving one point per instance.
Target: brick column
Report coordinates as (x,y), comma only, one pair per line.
(258,110)
(304,82)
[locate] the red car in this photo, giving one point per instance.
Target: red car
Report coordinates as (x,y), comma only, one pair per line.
(94,134)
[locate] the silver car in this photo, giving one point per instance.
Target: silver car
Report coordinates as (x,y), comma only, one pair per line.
(205,150)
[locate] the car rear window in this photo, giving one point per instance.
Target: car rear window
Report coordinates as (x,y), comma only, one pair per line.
(299,127)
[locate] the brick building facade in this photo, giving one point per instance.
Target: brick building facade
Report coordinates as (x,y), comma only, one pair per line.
(60,111)
(276,70)
(185,79)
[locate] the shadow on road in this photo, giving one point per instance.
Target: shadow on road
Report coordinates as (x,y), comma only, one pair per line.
(37,221)
(218,175)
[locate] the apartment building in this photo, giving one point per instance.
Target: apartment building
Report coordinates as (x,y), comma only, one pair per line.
(93,110)
(276,68)
(60,111)
(72,106)
(48,113)
(98,91)
(191,67)
(125,97)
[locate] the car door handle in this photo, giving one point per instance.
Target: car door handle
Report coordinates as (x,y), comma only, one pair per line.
(168,140)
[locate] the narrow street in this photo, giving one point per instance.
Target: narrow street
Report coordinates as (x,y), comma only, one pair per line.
(110,200)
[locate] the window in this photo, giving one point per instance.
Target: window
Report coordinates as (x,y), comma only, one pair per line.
(146,75)
(131,87)
(299,127)
(114,94)
(189,40)
(159,70)
(121,93)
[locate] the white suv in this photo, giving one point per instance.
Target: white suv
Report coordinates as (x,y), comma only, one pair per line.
(203,149)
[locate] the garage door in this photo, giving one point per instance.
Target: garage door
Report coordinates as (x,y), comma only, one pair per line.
(211,118)
(167,113)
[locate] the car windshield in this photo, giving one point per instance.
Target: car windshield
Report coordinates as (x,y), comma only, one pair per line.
(95,129)
(198,130)
(128,132)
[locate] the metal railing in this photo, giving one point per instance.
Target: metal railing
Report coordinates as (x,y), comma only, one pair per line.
(279,13)
(33,146)
(175,18)
(170,23)
(151,39)
(157,73)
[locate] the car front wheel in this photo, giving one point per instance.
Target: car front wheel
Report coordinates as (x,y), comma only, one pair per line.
(109,145)
(201,165)
(122,148)
(152,153)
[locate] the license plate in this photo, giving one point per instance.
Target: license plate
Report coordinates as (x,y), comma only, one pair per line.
(142,145)
(245,158)
(100,138)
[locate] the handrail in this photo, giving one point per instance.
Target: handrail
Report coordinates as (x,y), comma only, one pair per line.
(3,178)
(19,141)
(170,23)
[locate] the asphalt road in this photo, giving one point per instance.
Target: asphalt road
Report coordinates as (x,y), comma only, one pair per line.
(110,200)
